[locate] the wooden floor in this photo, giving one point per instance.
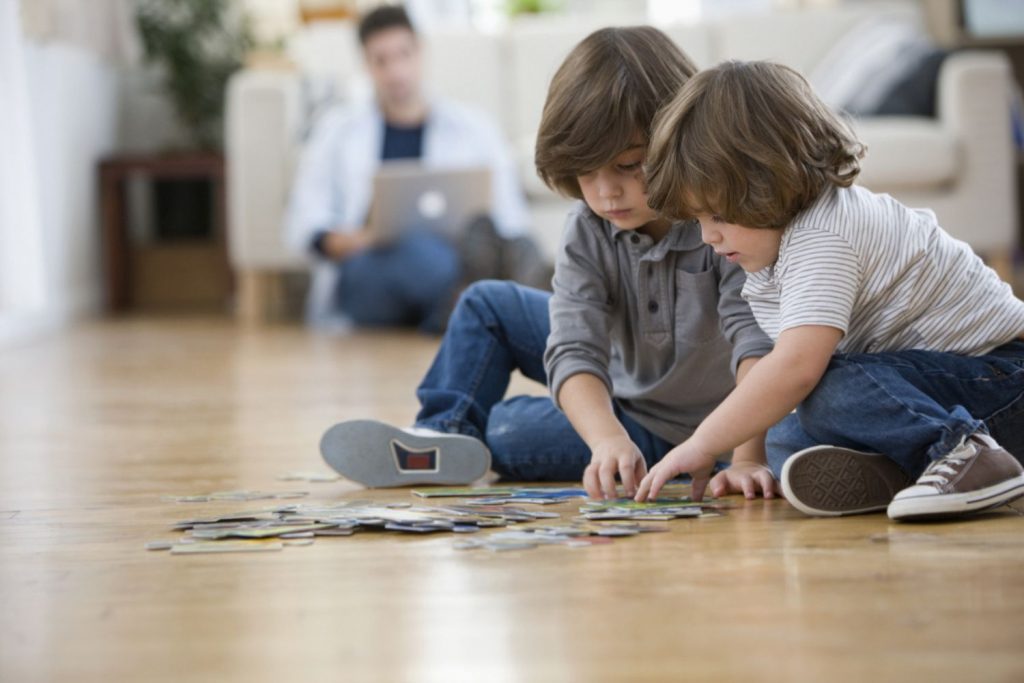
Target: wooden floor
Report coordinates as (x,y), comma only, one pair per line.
(100,422)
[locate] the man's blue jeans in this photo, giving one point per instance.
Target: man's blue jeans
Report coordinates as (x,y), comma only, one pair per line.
(409,283)
(496,328)
(912,406)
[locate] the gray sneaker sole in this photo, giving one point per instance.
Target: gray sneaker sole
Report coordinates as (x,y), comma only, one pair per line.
(828,481)
(378,455)
(923,508)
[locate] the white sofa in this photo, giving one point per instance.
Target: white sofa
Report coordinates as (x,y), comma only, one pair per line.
(961,163)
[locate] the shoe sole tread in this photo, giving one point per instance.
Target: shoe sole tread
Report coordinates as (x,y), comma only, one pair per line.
(832,481)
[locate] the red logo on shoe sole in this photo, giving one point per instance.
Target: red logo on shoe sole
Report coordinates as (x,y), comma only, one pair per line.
(413,460)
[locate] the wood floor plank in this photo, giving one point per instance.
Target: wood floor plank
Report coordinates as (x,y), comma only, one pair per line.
(97,424)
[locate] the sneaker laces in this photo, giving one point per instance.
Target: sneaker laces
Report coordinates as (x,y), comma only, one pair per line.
(940,471)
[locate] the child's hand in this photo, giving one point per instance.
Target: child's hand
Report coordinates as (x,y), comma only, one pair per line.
(747,478)
(684,458)
(617,455)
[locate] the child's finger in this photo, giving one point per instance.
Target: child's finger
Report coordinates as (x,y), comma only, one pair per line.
(641,468)
(658,479)
(641,471)
(700,482)
(767,482)
(645,486)
(607,476)
(749,490)
(628,476)
(590,482)
(719,484)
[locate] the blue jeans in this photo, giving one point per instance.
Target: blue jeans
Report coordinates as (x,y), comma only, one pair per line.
(912,406)
(409,283)
(496,328)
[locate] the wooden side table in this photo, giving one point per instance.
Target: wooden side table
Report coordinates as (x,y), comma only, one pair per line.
(114,172)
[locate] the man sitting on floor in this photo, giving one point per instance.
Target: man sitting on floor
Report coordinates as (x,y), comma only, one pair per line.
(415,280)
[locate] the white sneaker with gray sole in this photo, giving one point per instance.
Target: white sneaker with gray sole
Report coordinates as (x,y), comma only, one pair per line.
(977,475)
(376,455)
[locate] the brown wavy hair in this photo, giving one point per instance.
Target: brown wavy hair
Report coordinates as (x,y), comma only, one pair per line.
(604,95)
(750,142)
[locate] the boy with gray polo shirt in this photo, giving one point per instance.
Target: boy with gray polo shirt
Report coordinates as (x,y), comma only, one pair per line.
(638,342)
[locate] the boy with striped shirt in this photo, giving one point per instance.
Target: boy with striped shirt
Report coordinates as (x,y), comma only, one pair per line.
(899,355)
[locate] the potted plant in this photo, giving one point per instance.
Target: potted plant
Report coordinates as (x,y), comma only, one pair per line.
(197,44)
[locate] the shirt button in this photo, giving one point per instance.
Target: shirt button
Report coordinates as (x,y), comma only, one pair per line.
(652,306)
(635,239)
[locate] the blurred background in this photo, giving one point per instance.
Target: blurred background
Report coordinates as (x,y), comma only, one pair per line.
(149,145)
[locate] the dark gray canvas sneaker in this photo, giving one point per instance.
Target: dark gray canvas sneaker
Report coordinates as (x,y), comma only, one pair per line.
(829,481)
(977,475)
(376,454)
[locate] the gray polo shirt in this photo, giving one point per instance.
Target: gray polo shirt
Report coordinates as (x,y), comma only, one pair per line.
(662,324)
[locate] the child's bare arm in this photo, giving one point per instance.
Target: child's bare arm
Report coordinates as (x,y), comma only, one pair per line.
(770,390)
(588,405)
(748,474)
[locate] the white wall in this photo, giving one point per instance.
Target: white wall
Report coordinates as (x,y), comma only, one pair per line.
(75,110)
(73,107)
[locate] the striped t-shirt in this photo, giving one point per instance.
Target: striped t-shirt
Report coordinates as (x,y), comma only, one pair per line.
(887,276)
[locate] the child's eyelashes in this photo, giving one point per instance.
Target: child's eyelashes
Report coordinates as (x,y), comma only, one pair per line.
(630,169)
(715,218)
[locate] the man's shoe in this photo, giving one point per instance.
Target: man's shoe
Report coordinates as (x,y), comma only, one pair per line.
(376,454)
(828,481)
(481,251)
(977,475)
(523,262)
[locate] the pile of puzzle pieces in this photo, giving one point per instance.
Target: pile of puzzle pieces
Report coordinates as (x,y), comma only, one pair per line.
(478,509)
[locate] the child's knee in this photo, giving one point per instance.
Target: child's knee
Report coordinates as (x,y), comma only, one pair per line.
(490,292)
(483,297)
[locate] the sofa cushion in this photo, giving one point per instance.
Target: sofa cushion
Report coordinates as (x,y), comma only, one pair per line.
(798,38)
(918,93)
(906,152)
(864,66)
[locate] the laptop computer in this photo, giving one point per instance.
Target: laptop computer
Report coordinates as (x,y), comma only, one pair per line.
(408,196)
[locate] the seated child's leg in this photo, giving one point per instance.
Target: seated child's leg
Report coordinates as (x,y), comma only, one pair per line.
(496,328)
(919,407)
(913,406)
(531,440)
